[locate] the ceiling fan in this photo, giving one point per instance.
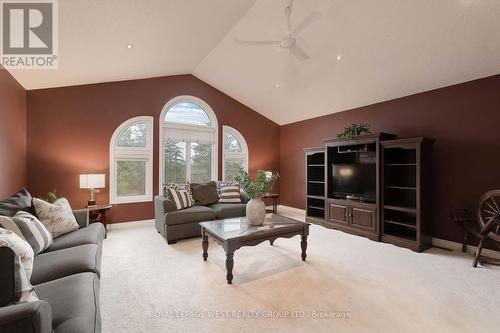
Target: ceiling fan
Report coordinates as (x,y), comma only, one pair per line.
(289,41)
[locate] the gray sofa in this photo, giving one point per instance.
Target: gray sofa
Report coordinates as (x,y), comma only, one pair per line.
(65,278)
(179,224)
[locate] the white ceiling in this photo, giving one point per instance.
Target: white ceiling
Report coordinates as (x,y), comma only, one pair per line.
(389,48)
(169,37)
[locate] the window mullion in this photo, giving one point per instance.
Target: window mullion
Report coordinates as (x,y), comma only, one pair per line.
(188,161)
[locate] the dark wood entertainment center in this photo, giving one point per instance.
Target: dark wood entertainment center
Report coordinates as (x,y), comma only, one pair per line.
(375,186)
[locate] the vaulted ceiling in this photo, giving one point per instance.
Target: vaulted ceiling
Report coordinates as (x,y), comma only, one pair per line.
(361,51)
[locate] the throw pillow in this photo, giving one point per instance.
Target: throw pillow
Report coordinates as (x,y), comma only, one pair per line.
(23,266)
(19,201)
(230,194)
(184,186)
(28,228)
(181,198)
(224,183)
(205,194)
(58,217)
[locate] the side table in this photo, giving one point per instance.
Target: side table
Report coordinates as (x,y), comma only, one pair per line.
(98,214)
(274,197)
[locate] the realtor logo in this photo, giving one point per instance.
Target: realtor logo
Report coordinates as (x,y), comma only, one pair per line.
(29,34)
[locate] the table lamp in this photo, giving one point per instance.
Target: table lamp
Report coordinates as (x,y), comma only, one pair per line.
(92,182)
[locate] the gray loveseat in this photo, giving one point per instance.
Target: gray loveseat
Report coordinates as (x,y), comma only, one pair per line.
(65,278)
(179,224)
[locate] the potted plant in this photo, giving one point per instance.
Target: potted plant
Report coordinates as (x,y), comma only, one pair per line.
(255,189)
(353,131)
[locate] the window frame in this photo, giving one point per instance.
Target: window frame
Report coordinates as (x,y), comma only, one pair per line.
(165,125)
(118,153)
(244,148)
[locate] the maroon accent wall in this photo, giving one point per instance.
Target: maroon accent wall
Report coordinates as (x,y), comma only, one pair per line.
(464,119)
(70,128)
(12,135)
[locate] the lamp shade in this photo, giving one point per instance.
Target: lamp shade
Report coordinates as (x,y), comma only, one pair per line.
(93,181)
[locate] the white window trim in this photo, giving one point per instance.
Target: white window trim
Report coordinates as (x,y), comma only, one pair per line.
(244,147)
(128,154)
(214,128)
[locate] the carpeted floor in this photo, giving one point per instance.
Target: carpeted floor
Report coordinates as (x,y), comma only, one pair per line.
(348,284)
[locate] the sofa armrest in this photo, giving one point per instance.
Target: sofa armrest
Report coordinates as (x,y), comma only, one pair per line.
(163,205)
(244,197)
(28,317)
(82,217)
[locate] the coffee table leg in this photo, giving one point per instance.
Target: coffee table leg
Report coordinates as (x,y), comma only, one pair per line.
(272,242)
(303,245)
(229,267)
(204,244)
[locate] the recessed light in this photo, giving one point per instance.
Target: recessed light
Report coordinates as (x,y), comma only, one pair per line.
(277,85)
(129,46)
(339,57)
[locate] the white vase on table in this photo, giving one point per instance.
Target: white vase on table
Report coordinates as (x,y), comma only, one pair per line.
(256,212)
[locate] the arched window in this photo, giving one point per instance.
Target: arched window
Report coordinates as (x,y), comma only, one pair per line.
(235,153)
(188,141)
(131,161)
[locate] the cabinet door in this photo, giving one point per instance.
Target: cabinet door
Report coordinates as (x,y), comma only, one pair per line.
(338,212)
(363,216)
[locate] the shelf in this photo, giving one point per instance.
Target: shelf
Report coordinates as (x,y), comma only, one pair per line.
(316,181)
(402,209)
(315,165)
(401,187)
(314,207)
(400,164)
(316,197)
(412,226)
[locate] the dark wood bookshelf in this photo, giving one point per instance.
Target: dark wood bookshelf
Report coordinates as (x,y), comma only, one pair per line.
(406,202)
(315,184)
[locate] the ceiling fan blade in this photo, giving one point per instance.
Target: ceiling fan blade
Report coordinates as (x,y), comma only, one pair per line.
(256,42)
(306,23)
(299,53)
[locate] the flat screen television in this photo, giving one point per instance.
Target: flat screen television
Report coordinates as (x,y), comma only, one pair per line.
(357,180)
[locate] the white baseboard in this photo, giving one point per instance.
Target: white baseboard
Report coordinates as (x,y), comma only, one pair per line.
(128,225)
(436,242)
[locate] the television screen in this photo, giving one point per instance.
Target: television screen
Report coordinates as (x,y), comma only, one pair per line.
(354,179)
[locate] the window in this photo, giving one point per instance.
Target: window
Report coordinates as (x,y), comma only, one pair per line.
(188,141)
(131,156)
(235,154)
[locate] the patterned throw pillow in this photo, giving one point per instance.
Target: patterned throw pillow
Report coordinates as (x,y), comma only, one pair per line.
(184,186)
(181,198)
(58,217)
(28,228)
(224,183)
(23,266)
(230,194)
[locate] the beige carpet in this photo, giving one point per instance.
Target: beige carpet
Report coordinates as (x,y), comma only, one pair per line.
(360,285)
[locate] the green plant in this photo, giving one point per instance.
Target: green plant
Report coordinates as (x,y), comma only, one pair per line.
(353,131)
(51,197)
(255,189)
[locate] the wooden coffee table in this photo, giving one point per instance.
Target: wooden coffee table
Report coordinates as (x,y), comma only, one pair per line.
(234,233)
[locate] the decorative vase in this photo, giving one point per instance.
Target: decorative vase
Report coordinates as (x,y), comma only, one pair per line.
(256,212)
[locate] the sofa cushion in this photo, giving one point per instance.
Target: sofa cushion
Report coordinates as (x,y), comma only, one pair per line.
(23,266)
(93,234)
(74,301)
(28,228)
(190,215)
(205,194)
(19,201)
(230,194)
(58,217)
(57,264)
(225,211)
